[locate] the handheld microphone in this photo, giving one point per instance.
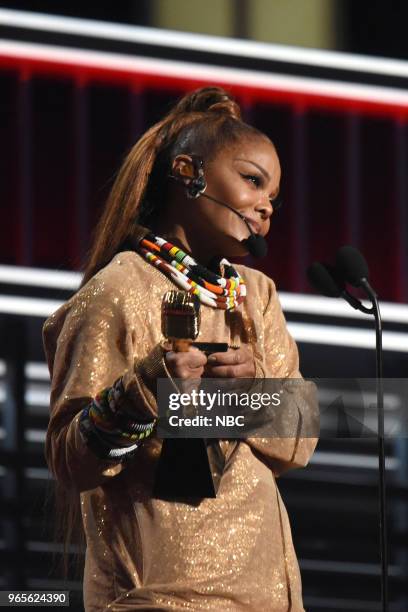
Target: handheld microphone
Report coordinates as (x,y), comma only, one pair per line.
(187,467)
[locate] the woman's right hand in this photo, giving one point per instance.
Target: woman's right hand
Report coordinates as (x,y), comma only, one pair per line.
(186,365)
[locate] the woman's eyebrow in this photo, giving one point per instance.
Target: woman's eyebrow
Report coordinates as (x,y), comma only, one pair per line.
(264,172)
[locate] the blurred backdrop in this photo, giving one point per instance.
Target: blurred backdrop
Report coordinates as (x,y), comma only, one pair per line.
(327,81)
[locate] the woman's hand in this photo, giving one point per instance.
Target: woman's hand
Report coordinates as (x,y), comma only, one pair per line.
(186,365)
(234,363)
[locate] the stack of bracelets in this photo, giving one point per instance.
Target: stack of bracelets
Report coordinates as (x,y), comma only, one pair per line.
(109,431)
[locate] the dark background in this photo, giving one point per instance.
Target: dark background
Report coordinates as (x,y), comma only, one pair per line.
(378,27)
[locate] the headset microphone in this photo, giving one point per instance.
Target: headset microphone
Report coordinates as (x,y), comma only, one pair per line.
(256,244)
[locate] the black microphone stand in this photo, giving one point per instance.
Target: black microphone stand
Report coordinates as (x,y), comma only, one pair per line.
(328,283)
(381,451)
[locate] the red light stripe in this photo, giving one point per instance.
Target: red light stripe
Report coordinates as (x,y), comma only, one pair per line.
(301,100)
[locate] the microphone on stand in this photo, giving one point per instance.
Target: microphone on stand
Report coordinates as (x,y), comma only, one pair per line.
(327,281)
(187,467)
(351,267)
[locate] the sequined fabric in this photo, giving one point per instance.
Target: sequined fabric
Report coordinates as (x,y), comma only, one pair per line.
(231,553)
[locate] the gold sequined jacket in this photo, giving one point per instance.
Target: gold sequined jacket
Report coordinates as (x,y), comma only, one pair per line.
(229,553)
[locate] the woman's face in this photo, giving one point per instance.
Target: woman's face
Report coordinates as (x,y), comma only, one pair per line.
(245,176)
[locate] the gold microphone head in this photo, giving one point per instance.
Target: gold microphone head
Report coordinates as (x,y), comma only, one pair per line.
(180,315)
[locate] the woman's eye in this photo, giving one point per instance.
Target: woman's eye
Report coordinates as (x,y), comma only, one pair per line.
(252,178)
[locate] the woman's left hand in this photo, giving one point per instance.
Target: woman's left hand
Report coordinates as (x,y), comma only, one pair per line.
(234,363)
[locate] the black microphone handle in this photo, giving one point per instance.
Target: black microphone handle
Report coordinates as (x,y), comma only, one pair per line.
(187,466)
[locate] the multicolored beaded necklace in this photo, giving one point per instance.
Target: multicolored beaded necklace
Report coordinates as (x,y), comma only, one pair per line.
(226,291)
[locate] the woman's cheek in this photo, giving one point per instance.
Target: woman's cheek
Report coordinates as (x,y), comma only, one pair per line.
(266,227)
(242,199)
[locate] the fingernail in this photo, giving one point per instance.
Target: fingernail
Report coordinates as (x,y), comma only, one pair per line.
(212,359)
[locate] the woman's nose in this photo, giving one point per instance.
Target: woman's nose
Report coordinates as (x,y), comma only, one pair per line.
(264,207)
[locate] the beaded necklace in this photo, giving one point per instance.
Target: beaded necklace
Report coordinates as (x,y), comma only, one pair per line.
(226,291)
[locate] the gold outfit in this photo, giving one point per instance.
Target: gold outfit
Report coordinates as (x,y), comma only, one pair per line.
(231,553)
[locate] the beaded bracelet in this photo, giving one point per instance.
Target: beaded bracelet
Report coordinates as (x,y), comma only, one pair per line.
(107,415)
(105,426)
(98,445)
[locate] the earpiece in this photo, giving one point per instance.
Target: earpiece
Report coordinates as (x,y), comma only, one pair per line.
(196,187)
(197,184)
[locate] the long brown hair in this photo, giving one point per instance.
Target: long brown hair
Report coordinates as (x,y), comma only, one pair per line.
(202,122)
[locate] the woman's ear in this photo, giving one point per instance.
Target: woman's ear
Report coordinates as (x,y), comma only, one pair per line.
(189,171)
(183,166)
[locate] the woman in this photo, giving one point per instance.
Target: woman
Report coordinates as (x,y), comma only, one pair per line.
(105,353)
